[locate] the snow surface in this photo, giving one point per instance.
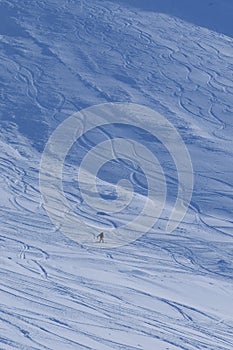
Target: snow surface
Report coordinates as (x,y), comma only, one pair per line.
(161,292)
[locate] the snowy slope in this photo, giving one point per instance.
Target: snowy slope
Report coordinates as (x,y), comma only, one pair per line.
(161,291)
(215,15)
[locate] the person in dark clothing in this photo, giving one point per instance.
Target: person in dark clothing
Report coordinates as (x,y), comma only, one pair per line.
(101,237)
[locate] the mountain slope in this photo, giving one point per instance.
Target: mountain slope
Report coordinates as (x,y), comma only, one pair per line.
(162,291)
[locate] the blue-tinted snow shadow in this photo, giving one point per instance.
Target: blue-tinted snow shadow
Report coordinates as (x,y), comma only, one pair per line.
(215,15)
(8,23)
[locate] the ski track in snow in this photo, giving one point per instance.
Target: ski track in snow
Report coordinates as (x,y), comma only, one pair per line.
(161,292)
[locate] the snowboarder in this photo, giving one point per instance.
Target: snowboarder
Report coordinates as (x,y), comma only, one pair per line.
(101,237)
